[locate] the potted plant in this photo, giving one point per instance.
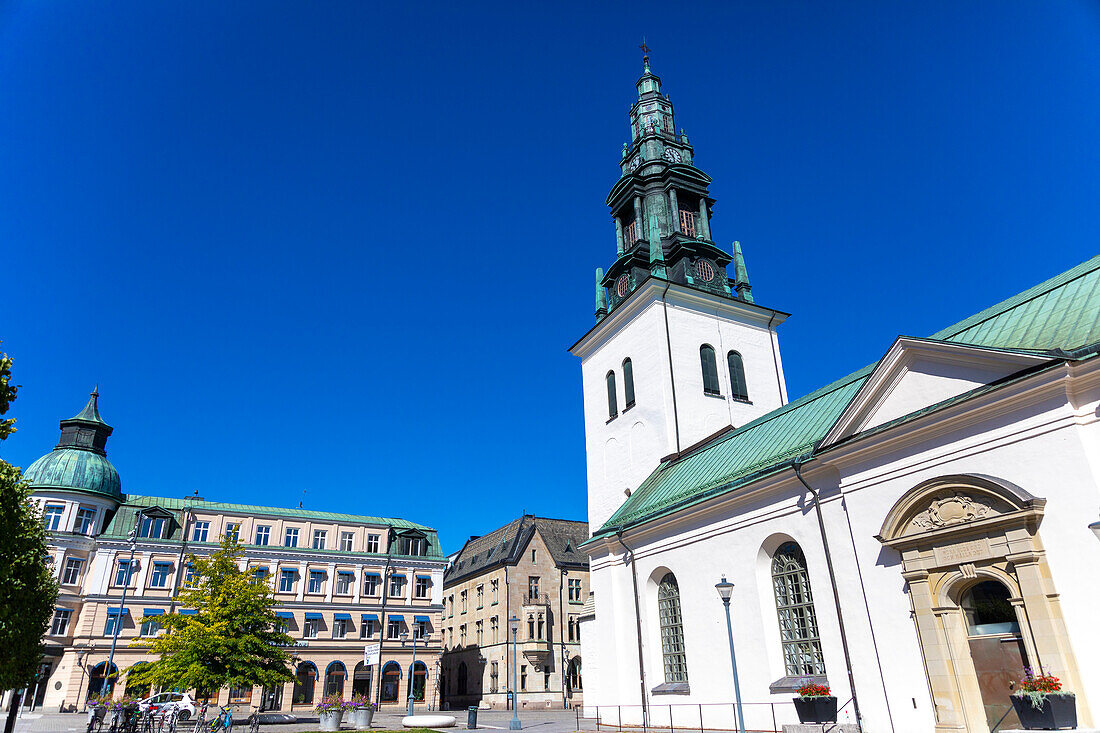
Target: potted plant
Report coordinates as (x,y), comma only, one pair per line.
(330,711)
(1041,705)
(362,712)
(814,703)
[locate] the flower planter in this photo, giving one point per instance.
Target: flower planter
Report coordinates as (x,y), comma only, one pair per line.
(330,721)
(1058,710)
(816,709)
(361,718)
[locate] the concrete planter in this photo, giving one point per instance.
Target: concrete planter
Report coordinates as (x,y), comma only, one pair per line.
(1059,710)
(362,718)
(816,709)
(330,721)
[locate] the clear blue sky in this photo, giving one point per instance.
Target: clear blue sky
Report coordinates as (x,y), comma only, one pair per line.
(342,247)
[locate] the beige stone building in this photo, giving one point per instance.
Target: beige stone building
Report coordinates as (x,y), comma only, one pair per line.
(341,581)
(531,570)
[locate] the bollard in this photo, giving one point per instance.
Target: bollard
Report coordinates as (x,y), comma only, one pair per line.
(471,717)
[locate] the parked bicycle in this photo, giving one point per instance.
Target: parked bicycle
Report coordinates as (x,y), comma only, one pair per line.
(223,721)
(254,721)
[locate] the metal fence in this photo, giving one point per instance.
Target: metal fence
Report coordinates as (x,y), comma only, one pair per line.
(760,717)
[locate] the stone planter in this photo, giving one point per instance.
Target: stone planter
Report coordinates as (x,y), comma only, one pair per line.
(331,721)
(816,709)
(362,718)
(1059,710)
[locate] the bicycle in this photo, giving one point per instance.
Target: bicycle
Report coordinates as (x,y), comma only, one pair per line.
(254,721)
(200,719)
(223,721)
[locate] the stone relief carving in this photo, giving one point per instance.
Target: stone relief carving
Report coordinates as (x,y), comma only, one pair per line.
(951,509)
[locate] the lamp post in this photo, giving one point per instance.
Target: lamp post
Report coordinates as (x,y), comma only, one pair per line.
(412,670)
(725,590)
(80,655)
(132,540)
(513,724)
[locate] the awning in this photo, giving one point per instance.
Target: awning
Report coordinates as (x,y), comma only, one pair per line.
(258,568)
(397,575)
(188,612)
(341,616)
(396,617)
(284,614)
(370,617)
(372,575)
(424,577)
(154,611)
(422,619)
(313,615)
(115,611)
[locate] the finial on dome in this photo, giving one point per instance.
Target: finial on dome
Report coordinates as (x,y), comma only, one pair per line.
(741,275)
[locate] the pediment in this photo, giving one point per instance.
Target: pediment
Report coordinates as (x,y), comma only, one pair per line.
(918,373)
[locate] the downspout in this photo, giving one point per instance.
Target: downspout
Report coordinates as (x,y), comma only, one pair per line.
(775,362)
(796,464)
(381,628)
(672,381)
(638,623)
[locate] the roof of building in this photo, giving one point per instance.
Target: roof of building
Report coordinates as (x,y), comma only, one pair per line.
(1057,316)
(504,546)
(74,469)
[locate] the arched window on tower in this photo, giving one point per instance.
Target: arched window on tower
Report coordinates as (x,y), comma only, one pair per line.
(710,369)
(739,388)
(795,605)
(672,630)
(612,405)
(628,381)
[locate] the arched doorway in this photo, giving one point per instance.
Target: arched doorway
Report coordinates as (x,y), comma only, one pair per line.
(334,679)
(391,680)
(982,594)
(100,679)
(361,680)
(305,681)
(419,679)
(462,678)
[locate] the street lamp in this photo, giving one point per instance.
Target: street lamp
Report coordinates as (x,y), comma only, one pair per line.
(132,540)
(80,656)
(725,590)
(513,724)
(412,670)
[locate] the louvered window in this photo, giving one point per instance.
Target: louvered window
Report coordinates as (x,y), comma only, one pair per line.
(630,233)
(710,369)
(739,388)
(794,602)
(672,630)
(687,222)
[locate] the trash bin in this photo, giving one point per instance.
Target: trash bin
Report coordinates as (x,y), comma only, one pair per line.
(471,717)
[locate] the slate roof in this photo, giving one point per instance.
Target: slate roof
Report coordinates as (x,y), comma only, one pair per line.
(503,546)
(1057,316)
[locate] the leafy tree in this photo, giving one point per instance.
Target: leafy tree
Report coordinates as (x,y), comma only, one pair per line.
(27,586)
(232,639)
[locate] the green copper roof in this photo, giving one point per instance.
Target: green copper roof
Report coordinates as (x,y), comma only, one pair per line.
(1061,313)
(75,469)
(90,413)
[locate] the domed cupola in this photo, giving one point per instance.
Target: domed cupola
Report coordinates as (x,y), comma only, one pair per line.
(79,460)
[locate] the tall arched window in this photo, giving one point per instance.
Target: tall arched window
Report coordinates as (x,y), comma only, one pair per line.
(672,628)
(628,381)
(795,604)
(305,679)
(462,678)
(335,675)
(739,388)
(419,677)
(612,406)
(391,678)
(710,369)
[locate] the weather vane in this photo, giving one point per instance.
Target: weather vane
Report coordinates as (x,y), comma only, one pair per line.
(645,51)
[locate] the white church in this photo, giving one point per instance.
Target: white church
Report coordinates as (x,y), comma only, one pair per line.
(913,535)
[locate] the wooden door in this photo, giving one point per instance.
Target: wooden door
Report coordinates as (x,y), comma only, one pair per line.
(999,662)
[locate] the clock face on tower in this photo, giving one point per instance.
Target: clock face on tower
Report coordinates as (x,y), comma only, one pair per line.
(672,155)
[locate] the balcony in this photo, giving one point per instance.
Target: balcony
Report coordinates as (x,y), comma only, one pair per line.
(536,599)
(536,652)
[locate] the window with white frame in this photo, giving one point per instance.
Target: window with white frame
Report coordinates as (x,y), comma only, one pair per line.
(153,527)
(574,590)
(60,623)
(316,581)
(346,541)
(112,626)
(420,629)
(320,538)
(290,537)
(85,520)
(150,625)
(51,516)
(343,583)
(423,583)
(366,628)
(397,585)
(263,534)
(233,530)
(200,532)
(373,543)
(71,574)
(794,604)
(673,649)
(124,575)
(311,628)
(340,628)
(370,583)
(158,578)
(190,580)
(287,579)
(393,628)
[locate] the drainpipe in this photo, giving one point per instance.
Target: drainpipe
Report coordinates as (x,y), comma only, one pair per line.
(796,464)
(638,622)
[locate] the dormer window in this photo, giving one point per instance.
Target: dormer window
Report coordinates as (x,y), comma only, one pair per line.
(51,517)
(153,527)
(85,520)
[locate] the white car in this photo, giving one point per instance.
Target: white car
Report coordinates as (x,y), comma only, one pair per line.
(168,700)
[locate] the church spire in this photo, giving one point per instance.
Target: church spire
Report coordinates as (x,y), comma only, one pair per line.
(86,430)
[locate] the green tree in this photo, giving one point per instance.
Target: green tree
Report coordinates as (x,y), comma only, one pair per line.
(232,639)
(28,590)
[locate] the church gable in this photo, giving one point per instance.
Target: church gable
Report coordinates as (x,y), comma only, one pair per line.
(918,373)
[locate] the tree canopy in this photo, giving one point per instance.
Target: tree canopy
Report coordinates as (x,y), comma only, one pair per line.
(28,589)
(231,640)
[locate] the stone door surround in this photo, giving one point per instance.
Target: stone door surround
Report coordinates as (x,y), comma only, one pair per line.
(953,532)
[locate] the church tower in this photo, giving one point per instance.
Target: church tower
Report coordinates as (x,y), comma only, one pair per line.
(680,350)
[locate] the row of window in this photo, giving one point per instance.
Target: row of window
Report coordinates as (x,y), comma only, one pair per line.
(572,679)
(798,630)
(739,388)
(305,682)
(536,631)
(628,388)
(291,536)
(85,518)
(573,588)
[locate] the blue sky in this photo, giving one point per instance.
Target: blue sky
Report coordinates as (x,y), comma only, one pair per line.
(335,252)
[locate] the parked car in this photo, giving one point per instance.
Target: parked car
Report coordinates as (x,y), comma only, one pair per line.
(180,700)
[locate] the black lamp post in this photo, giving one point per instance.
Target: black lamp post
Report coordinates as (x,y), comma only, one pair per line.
(132,540)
